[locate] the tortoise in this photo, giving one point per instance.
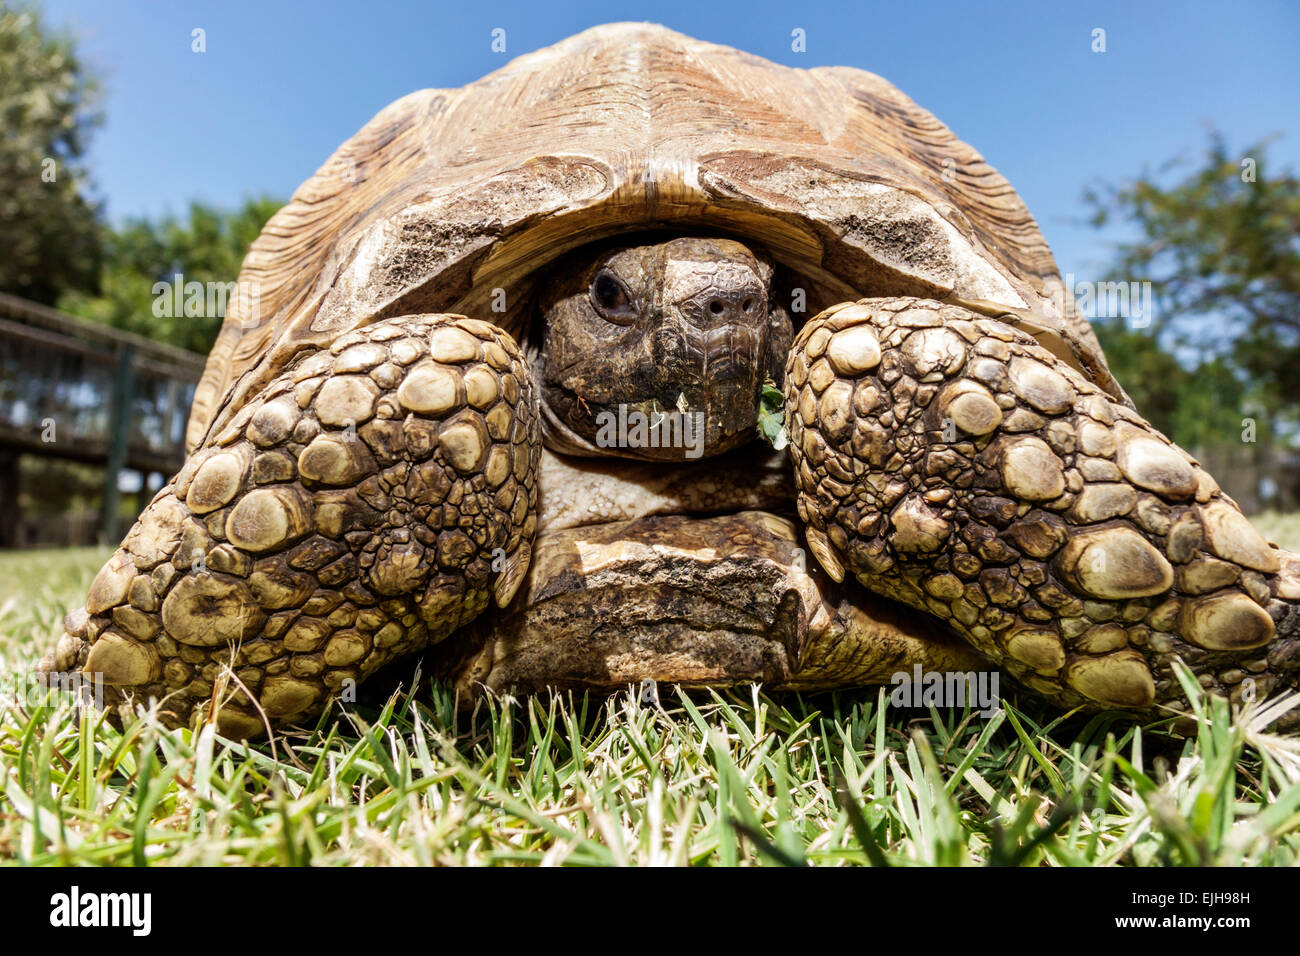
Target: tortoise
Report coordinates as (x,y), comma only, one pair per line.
(495,401)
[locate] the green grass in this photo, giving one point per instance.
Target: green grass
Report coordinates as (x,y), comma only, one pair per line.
(737,777)
(1282,527)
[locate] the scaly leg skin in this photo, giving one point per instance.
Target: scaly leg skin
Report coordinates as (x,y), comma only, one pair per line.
(949,462)
(348,515)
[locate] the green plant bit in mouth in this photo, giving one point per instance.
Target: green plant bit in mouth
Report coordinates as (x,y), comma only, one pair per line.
(771,416)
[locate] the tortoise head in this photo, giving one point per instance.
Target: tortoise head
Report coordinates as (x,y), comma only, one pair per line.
(658,351)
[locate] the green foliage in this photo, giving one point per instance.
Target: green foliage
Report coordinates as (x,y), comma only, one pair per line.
(49,238)
(1220,248)
(1220,245)
(771,416)
(54,248)
(1197,406)
(207,245)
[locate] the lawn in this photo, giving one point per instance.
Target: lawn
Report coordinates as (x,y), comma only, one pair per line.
(735,777)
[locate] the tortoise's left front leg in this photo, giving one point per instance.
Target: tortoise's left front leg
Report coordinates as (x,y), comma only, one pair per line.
(949,462)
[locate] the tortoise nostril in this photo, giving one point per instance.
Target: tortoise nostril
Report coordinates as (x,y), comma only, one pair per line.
(748,305)
(716,306)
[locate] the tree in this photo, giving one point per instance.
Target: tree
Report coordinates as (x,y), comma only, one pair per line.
(49,236)
(1221,249)
(206,246)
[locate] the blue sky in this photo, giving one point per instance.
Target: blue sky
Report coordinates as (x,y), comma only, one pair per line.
(283,83)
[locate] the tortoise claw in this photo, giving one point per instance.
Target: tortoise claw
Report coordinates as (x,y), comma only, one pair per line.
(825,554)
(512,575)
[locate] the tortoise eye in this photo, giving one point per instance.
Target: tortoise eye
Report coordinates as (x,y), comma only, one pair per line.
(611,299)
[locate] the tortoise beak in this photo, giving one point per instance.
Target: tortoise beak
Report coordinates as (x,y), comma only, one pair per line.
(710,344)
(731,352)
(716,371)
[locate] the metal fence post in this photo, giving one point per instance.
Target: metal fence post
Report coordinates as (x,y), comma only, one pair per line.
(119,433)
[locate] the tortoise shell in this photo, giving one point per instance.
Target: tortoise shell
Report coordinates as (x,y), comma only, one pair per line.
(455,200)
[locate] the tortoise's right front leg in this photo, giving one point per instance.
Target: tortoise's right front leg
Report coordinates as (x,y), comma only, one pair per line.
(364,505)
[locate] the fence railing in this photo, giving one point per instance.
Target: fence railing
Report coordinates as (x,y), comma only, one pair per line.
(87,392)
